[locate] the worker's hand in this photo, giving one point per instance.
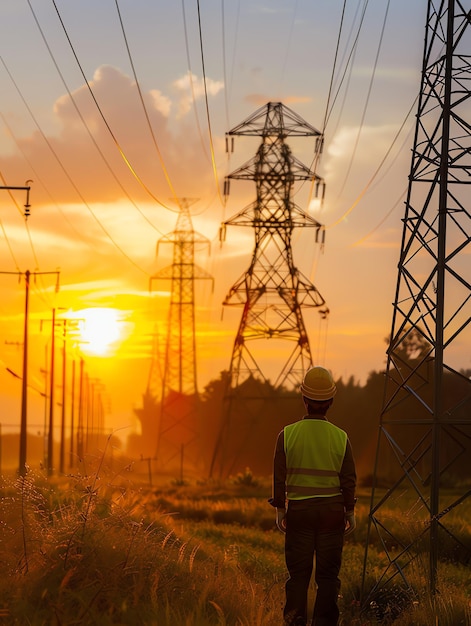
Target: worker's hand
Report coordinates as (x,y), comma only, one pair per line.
(350,522)
(281,519)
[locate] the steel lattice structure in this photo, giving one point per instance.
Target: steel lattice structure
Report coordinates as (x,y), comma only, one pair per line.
(179,380)
(425,425)
(273,291)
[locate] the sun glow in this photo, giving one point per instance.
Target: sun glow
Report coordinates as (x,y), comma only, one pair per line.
(100,330)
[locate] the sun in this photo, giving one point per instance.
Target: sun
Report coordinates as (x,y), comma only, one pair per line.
(100,329)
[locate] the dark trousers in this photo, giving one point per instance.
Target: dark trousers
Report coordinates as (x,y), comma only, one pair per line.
(313,528)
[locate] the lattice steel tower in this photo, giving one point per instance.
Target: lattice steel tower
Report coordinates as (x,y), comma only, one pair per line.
(179,384)
(273,291)
(425,424)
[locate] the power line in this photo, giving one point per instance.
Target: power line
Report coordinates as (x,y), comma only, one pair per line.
(77,110)
(376,172)
(37,177)
(25,214)
(3,228)
(192,86)
(367,100)
(149,125)
(365,189)
(288,41)
(69,178)
(348,63)
(315,161)
(115,140)
(213,160)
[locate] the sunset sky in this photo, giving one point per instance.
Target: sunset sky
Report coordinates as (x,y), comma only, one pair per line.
(108,156)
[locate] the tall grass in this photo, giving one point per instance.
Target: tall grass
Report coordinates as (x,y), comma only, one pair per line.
(89,551)
(105,549)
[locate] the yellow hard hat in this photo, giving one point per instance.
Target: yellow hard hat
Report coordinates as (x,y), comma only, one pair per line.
(318,384)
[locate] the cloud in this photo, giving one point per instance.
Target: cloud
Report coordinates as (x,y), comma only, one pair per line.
(189,86)
(161,102)
(256,99)
(354,155)
(297,100)
(106,147)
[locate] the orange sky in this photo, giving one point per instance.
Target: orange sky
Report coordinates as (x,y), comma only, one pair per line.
(98,222)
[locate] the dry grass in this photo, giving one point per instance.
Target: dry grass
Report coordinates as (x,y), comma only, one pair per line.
(102,549)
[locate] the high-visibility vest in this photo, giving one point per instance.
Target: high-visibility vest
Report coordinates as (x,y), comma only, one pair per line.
(315,450)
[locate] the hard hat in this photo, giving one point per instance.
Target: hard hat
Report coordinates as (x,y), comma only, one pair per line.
(318,384)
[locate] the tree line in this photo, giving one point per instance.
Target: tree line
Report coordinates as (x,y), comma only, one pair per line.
(224,431)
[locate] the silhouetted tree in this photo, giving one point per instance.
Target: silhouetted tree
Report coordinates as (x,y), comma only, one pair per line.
(237,428)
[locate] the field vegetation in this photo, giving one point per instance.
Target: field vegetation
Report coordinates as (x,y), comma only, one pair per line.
(101,548)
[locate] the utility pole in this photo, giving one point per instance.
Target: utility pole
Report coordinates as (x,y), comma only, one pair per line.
(64,368)
(66,322)
(24,396)
(74,322)
(24,387)
(50,437)
(425,422)
(80,427)
(96,411)
(72,417)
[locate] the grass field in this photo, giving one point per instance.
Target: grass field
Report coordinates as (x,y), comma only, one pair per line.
(109,549)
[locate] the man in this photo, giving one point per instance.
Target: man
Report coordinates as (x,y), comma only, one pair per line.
(314,474)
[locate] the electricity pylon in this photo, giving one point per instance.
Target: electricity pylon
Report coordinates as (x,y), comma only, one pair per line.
(179,398)
(425,424)
(272,292)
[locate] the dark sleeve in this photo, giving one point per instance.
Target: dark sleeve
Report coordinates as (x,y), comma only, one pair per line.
(278,499)
(348,478)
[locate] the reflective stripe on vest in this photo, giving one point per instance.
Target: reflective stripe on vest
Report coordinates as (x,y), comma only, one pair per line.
(315,450)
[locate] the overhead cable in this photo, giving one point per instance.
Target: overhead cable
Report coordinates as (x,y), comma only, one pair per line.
(349,67)
(77,110)
(35,257)
(377,170)
(42,293)
(288,41)
(228,82)
(367,101)
(334,67)
(10,249)
(317,154)
(66,173)
(213,160)
(38,178)
(330,108)
(105,121)
(373,230)
(192,85)
(164,169)
(347,64)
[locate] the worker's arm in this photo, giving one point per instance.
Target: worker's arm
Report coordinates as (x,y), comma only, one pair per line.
(278,499)
(348,481)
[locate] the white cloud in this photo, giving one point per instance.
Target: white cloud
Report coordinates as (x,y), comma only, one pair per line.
(365,147)
(162,104)
(189,86)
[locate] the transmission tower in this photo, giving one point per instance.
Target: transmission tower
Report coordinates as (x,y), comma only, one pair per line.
(425,424)
(273,291)
(179,385)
